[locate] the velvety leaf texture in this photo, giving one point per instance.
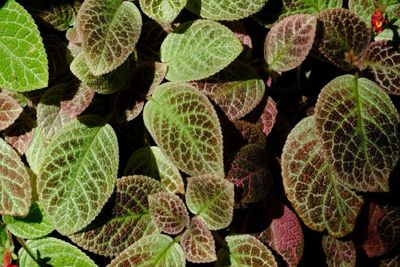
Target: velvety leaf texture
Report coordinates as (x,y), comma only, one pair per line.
(34,225)
(225,9)
(359,127)
(168,212)
(342,37)
(109,30)
(78,173)
(198,243)
(23,60)
(53,252)
(198,49)
(211,199)
(9,110)
(124,221)
(339,253)
(383,60)
(248,251)
(36,151)
(309,6)
(311,185)
(237,89)
(155,250)
(289,41)
(268,116)
(163,11)
(185,126)
(251,133)
(15,189)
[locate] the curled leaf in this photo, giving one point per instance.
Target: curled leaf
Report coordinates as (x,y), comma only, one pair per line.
(9,110)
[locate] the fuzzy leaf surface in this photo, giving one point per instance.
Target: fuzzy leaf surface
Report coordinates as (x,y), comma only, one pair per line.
(198,49)
(309,6)
(338,252)
(78,173)
(248,251)
(211,199)
(109,30)
(311,185)
(268,116)
(250,132)
(163,11)
(9,110)
(185,126)
(289,41)
(23,60)
(359,127)
(53,252)
(155,250)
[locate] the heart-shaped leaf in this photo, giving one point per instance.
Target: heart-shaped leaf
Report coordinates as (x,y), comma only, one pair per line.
(211,199)
(163,11)
(23,57)
(198,243)
(237,89)
(153,250)
(185,126)
(268,116)
(78,173)
(36,150)
(225,9)
(168,212)
(359,127)
(248,251)
(312,186)
(383,60)
(124,220)
(342,37)
(198,49)
(109,30)
(338,252)
(289,41)
(9,110)
(53,252)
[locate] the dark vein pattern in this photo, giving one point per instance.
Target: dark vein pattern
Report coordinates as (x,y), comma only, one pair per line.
(338,252)
(9,110)
(163,11)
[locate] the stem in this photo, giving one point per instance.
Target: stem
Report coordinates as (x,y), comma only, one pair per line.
(298,76)
(23,244)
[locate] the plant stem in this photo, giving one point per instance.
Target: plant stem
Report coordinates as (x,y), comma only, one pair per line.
(23,244)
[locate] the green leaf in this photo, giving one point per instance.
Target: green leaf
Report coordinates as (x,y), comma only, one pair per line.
(36,151)
(359,127)
(185,126)
(78,173)
(163,11)
(15,183)
(155,250)
(363,9)
(34,225)
(198,243)
(383,60)
(248,251)
(289,41)
(9,110)
(309,6)
(312,186)
(225,9)
(342,37)
(23,57)
(53,252)
(109,30)
(211,199)
(237,89)
(168,212)
(338,252)
(198,49)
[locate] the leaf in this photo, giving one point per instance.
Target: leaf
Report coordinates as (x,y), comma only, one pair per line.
(36,150)
(383,60)
(342,37)
(393,261)
(53,252)
(289,41)
(225,9)
(34,225)
(311,185)
(359,127)
(251,133)
(168,212)
(155,250)
(309,6)
(198,49)
(249,172)
(163,11)
(77,101)
(78,173)
(211,199)
(15,189)
(19,135)
(363,9)
(185,126)
(237,89)
(124,221)
(339,253)
(198,243)
(248,251)
(268,116)
(23,57)
(9,110)
(109,31)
